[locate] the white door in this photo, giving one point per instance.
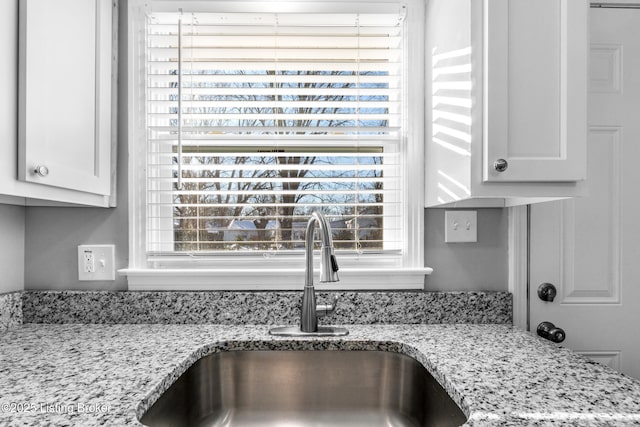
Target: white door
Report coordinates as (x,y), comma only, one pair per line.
(589,248)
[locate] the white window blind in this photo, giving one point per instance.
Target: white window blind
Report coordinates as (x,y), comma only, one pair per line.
(256,119)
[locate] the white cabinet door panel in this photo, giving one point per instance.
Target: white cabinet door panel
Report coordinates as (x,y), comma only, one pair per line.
(64,93)
(535,90)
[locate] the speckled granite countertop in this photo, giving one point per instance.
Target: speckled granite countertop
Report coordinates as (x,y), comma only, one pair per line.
(107,375)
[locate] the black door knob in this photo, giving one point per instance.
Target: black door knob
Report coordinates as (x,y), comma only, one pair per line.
(547,292)
(551,332)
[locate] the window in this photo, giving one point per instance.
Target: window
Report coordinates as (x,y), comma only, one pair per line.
(246,122)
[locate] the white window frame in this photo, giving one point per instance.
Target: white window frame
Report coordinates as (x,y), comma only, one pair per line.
(281,272)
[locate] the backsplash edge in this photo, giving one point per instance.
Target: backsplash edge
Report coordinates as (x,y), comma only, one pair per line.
(263,307)
(10,310)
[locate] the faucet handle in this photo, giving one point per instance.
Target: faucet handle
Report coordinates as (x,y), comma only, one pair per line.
(328,265)
(327,309)
(334,265)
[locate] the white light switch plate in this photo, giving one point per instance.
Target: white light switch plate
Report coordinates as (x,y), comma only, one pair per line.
(96,262)
(461,226)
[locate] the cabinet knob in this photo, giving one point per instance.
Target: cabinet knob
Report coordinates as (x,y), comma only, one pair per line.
(500,165)
(41,170)
(551,332)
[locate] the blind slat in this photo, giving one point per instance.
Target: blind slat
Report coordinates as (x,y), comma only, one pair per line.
(334,65)
(279,79)
(269,167)
(350,180)
(270,205)
(257,92)
(189,118)
(223,193)
(256,55)
(275,129)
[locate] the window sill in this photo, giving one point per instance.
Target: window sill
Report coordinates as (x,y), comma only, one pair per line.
(271,279)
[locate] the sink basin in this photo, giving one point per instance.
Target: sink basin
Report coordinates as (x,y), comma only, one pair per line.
(305,388)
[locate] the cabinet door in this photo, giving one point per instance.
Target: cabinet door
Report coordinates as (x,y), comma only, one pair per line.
(535,97)
(65,94)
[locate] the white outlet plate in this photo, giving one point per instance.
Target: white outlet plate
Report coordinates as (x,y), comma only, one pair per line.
(102,265)
(461,226)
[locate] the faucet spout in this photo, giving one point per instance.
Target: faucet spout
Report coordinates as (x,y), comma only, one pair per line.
(328,270)
(328,263)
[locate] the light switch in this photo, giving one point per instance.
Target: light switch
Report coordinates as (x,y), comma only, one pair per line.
(461,226)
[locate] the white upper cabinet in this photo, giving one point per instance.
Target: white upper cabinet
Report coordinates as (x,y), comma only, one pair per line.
(64,84)
(507,107)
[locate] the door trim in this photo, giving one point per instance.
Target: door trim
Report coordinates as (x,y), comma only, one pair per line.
(518,260)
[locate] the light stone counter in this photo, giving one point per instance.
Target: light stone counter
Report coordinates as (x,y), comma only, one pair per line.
(107,375)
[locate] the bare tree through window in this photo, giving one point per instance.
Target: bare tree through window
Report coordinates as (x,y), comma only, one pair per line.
(263,146)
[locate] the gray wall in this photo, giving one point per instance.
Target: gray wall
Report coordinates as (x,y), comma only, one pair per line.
(52,234)
(468,266)
(12,253)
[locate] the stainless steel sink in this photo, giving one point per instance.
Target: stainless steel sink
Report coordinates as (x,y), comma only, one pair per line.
(305,388)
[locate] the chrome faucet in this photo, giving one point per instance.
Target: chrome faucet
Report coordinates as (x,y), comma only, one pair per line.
(328,273)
